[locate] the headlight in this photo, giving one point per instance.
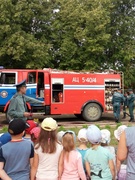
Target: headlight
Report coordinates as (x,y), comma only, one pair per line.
(4,94)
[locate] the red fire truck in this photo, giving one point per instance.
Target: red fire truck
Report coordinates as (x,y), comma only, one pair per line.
(64,92)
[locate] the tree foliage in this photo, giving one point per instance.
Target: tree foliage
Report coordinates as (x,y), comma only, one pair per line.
(19,42)
(78,35)
(121,52)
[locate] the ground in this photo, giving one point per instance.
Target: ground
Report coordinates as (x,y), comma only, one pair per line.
(66,122)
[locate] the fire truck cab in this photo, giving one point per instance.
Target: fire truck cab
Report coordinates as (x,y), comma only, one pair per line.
(64,92)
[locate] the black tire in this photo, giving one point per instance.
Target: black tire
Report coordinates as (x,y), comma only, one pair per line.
(78,115)
(92,112)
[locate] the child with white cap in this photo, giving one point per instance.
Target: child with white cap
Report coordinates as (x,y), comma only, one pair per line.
(70,163)
(47,152)
(82,148)
(98,160)
(119,131)
(106,138)
(60,135)
(120,166)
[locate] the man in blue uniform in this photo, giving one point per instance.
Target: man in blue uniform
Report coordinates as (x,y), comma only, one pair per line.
(17,107)
(130,102)
(117,101)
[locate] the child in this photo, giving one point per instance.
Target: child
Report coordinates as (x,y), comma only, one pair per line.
(105,134)
(17,155)
(98,160)
(82,138)
(60,135)
(47,152)
(70,163)
(32,124)
(35,134)
(121,166)
(5,138)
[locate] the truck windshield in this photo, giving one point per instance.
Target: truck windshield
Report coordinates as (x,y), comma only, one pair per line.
(7,78)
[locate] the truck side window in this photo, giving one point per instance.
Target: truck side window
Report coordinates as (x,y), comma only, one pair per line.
(7,78)
(57,90)
(31,77)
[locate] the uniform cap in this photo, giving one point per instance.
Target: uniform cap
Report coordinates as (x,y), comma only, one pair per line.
(49,124)
(35,131)
(105,136)
(93,134)
(82,135)
(21,84)
(32,124)
(119,131)
(17,126)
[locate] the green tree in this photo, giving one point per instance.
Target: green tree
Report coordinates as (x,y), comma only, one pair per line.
(79,35)
(67,34)
(120,51)
(20,29)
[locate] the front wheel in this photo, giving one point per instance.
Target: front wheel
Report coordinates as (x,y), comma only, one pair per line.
(92,112)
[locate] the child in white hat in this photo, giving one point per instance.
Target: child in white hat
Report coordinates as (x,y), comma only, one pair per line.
(60,135)
(82,148)
(98,160)
(121,167)
(105,141)
(119,131)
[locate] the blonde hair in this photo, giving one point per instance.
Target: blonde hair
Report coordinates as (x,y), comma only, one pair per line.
(68,144)
(82,141)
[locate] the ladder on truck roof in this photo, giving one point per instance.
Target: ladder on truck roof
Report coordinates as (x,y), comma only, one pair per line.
(110,71)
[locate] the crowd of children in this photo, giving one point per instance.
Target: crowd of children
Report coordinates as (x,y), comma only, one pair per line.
(32,152)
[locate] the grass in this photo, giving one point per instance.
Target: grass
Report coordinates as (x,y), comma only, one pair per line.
(111,129)
(4,129)
(113,142)
(76,129)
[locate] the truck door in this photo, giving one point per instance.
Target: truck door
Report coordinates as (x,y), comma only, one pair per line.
(35,84)
(7,88)
(35,88)
(40,85)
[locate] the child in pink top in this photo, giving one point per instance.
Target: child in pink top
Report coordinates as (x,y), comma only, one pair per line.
(70,163)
